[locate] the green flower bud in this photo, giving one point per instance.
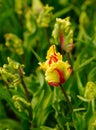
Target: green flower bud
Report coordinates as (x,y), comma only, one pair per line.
(10,72)
(45,16)
(37,6)
(63,34)
(17,106)
(14,43)
(20,99)
(12,63)
(20,103)
(19,6)
(90,91)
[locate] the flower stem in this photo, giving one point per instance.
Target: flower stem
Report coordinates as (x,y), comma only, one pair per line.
(69,59)
(28,97)
(23,84)
(67,99)
(62,12)
(7,85)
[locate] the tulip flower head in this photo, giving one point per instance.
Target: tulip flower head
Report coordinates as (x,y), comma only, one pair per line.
(56,70)
(63,34)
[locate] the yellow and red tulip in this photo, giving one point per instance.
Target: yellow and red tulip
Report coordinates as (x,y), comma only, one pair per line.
(56,70)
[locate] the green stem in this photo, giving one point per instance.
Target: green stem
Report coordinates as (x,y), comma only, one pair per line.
(7,85)
(23,84)
(28,97)
(60,13)
(85,63)
(69,59)
(93,106)
(80,85)
(67,99)
(36,55)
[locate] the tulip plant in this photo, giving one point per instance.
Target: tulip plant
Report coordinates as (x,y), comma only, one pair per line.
(47,65)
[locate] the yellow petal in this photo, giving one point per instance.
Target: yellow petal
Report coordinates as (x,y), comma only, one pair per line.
(58,72)
(52,51)
(51,75)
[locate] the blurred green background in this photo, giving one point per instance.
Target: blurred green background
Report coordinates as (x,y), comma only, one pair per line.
(25,37)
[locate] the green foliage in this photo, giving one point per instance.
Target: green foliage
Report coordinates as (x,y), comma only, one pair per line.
(9,124)
(27,29)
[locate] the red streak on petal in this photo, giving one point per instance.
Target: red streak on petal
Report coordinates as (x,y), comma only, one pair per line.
(53,84)
(61,79)
(61,76)
(69,47)
(61,39)
(72,45)
(53,58)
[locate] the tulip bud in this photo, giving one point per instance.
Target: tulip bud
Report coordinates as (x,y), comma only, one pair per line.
(45,16)
(14,43)
(10,73)
(63,34)
(90,91)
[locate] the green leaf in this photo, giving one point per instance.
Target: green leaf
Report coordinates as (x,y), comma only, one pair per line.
(80,85)
(86,63)
(92,75)
(2,111)
(44,128)
(9,124)
(36,129)
(89,113)
(78,121)
(6,96)
(38,96)
(47,128)
(41,104)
